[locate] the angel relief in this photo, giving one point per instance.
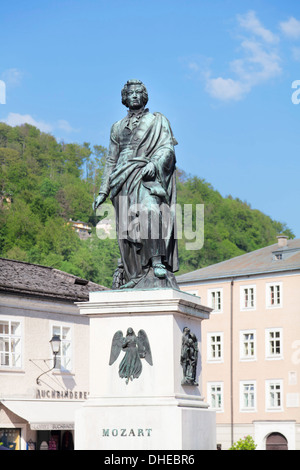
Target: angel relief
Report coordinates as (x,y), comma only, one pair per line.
(135,348)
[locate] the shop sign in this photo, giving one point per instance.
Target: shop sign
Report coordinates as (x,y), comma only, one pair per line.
(51,426)
(61,395)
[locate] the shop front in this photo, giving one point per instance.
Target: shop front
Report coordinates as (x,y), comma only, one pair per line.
(41,423)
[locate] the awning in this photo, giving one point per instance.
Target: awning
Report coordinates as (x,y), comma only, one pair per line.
(45,414)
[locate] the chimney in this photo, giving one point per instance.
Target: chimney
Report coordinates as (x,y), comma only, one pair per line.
(282,240)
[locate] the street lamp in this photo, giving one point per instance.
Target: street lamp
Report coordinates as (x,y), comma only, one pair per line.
(55,346)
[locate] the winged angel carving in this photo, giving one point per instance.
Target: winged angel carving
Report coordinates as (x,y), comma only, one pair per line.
(135,348)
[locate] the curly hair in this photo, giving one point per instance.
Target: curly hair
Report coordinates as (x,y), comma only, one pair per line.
(134,82)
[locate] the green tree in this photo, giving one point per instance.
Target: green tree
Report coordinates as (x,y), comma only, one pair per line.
(244,444)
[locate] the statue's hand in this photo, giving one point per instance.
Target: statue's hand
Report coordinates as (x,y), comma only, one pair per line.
(99,200)
(149,170)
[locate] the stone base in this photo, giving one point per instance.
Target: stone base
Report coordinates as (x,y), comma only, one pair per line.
(155,410)
(144,426)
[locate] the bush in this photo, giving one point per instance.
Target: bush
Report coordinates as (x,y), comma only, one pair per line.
(244,444)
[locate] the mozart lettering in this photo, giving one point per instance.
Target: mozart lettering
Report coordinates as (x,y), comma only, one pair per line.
(123,432)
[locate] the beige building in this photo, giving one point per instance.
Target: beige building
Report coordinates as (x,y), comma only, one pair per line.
(251,344)
(37,400)
(81,228)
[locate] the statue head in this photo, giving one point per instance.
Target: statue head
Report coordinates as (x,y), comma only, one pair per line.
(126,87)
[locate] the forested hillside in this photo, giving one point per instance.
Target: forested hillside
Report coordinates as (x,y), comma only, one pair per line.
(45,183)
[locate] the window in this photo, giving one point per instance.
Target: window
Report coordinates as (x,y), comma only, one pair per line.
(11,438)
(247,345)
(64,357)
(274,394)
(10,344)
(247,396)
(274,295)
(215,347)
(274,344)
(248,297)
(215,300)
(215,395)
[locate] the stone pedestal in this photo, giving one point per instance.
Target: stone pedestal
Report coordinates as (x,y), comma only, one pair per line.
(154,411)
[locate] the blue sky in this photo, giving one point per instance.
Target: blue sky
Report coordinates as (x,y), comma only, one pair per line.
(221,71)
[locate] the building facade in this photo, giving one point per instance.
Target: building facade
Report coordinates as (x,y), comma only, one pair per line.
(82,229)
(251,344)
(39,392)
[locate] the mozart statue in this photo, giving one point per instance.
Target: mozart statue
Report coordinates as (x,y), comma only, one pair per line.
(139,176)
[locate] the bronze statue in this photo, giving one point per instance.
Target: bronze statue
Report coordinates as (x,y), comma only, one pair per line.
(189,357)
(139,175)
(135,348)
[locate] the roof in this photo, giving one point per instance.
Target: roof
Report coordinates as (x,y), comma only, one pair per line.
(264,260)
(32,279)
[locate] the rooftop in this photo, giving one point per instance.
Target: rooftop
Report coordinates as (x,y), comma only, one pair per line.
(32,279)
(282,256)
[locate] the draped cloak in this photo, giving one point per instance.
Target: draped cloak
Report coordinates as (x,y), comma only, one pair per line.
(132,195)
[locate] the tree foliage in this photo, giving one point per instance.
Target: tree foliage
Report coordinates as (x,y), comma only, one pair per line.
(244,444)
(45,183)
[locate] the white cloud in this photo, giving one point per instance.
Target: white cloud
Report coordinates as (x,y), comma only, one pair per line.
(291,28)
(16,119)
(251,23)
(259,62)
(257,65)
(226,89)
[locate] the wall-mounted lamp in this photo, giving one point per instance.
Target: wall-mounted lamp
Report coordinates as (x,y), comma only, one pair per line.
(55,345)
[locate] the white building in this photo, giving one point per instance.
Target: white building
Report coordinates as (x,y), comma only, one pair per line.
(37,303)
(251,344)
